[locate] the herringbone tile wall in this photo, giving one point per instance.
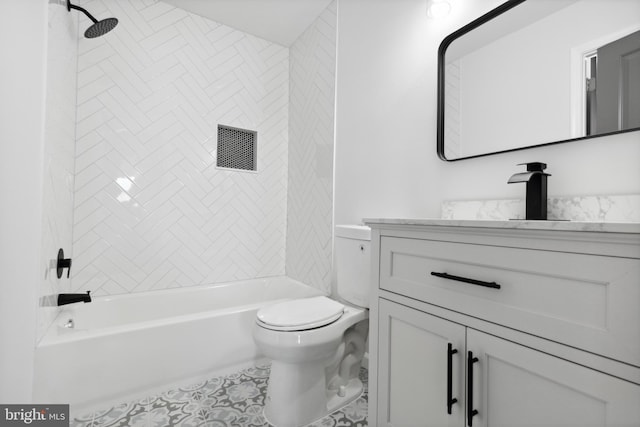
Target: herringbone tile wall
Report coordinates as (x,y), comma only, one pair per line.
(311,128)
(151,209)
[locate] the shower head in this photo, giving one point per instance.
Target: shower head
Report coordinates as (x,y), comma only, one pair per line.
(99,28)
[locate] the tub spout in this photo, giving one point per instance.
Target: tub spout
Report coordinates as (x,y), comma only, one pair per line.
(64,299)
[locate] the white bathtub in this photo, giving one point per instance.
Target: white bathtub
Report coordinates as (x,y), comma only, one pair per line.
(125,345)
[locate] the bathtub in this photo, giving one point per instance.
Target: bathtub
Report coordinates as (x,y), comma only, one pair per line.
(125,346)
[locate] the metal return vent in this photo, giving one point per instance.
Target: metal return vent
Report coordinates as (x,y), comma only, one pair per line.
(236,148)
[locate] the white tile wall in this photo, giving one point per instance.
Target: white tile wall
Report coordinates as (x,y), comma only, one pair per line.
(151,209)
(311,142)
(57,221)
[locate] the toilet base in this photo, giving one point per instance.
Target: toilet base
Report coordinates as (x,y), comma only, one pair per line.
(351,392)
(301,402)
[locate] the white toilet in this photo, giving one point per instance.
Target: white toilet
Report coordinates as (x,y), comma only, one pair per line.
(316,344)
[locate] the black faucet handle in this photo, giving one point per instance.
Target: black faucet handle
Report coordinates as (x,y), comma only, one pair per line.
(534,166)
(62,264)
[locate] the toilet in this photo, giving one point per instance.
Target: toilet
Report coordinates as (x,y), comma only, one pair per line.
(316,344)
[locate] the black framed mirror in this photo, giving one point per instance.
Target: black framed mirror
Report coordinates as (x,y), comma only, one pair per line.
(531,73)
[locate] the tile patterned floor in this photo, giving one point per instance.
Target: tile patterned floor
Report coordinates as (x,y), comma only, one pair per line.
(233,400)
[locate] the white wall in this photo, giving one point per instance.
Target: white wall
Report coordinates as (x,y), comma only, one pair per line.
(152,211)
(385,112)
(22,105)
(311,145)
(386,161)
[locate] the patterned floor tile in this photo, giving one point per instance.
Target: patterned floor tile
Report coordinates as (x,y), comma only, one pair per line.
(234,400)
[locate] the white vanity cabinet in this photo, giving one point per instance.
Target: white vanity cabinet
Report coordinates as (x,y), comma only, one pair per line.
(518,327)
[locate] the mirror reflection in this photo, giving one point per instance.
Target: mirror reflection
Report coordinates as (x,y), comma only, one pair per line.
(544,71)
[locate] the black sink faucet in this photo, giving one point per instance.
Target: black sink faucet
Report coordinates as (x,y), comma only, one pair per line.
(64,299)
(536,179)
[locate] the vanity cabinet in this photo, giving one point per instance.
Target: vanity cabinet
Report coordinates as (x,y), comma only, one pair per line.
(426,362)
(516,328)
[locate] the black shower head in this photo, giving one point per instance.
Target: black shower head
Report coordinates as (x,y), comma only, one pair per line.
(99,28)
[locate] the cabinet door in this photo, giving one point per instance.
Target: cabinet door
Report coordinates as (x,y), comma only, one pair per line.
(413,371)
(516,386)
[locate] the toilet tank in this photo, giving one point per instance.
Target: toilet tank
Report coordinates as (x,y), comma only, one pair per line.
(353,263)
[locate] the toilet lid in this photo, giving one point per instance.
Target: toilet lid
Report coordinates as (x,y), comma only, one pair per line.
(300,314)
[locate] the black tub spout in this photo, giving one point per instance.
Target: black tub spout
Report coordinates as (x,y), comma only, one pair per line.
(64,299)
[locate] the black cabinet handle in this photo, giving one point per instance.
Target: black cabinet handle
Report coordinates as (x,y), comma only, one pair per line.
(493,285)
(470,411)
(450,399)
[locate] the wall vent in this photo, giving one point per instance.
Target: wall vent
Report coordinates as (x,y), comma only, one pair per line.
(236,148)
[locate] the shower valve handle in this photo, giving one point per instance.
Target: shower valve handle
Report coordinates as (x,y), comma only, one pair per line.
(62,264)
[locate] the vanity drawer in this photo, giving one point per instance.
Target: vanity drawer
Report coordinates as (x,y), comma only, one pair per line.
(585,301)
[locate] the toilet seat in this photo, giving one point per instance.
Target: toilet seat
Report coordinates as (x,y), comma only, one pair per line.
(300,314)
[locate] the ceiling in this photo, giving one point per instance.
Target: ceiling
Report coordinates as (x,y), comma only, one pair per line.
(279,21)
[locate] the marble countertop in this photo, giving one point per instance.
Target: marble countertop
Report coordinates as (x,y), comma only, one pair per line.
(601,227)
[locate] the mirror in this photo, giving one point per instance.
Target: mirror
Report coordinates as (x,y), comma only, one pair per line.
(539,72)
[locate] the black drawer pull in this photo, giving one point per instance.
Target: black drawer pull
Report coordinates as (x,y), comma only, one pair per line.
(493,285)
